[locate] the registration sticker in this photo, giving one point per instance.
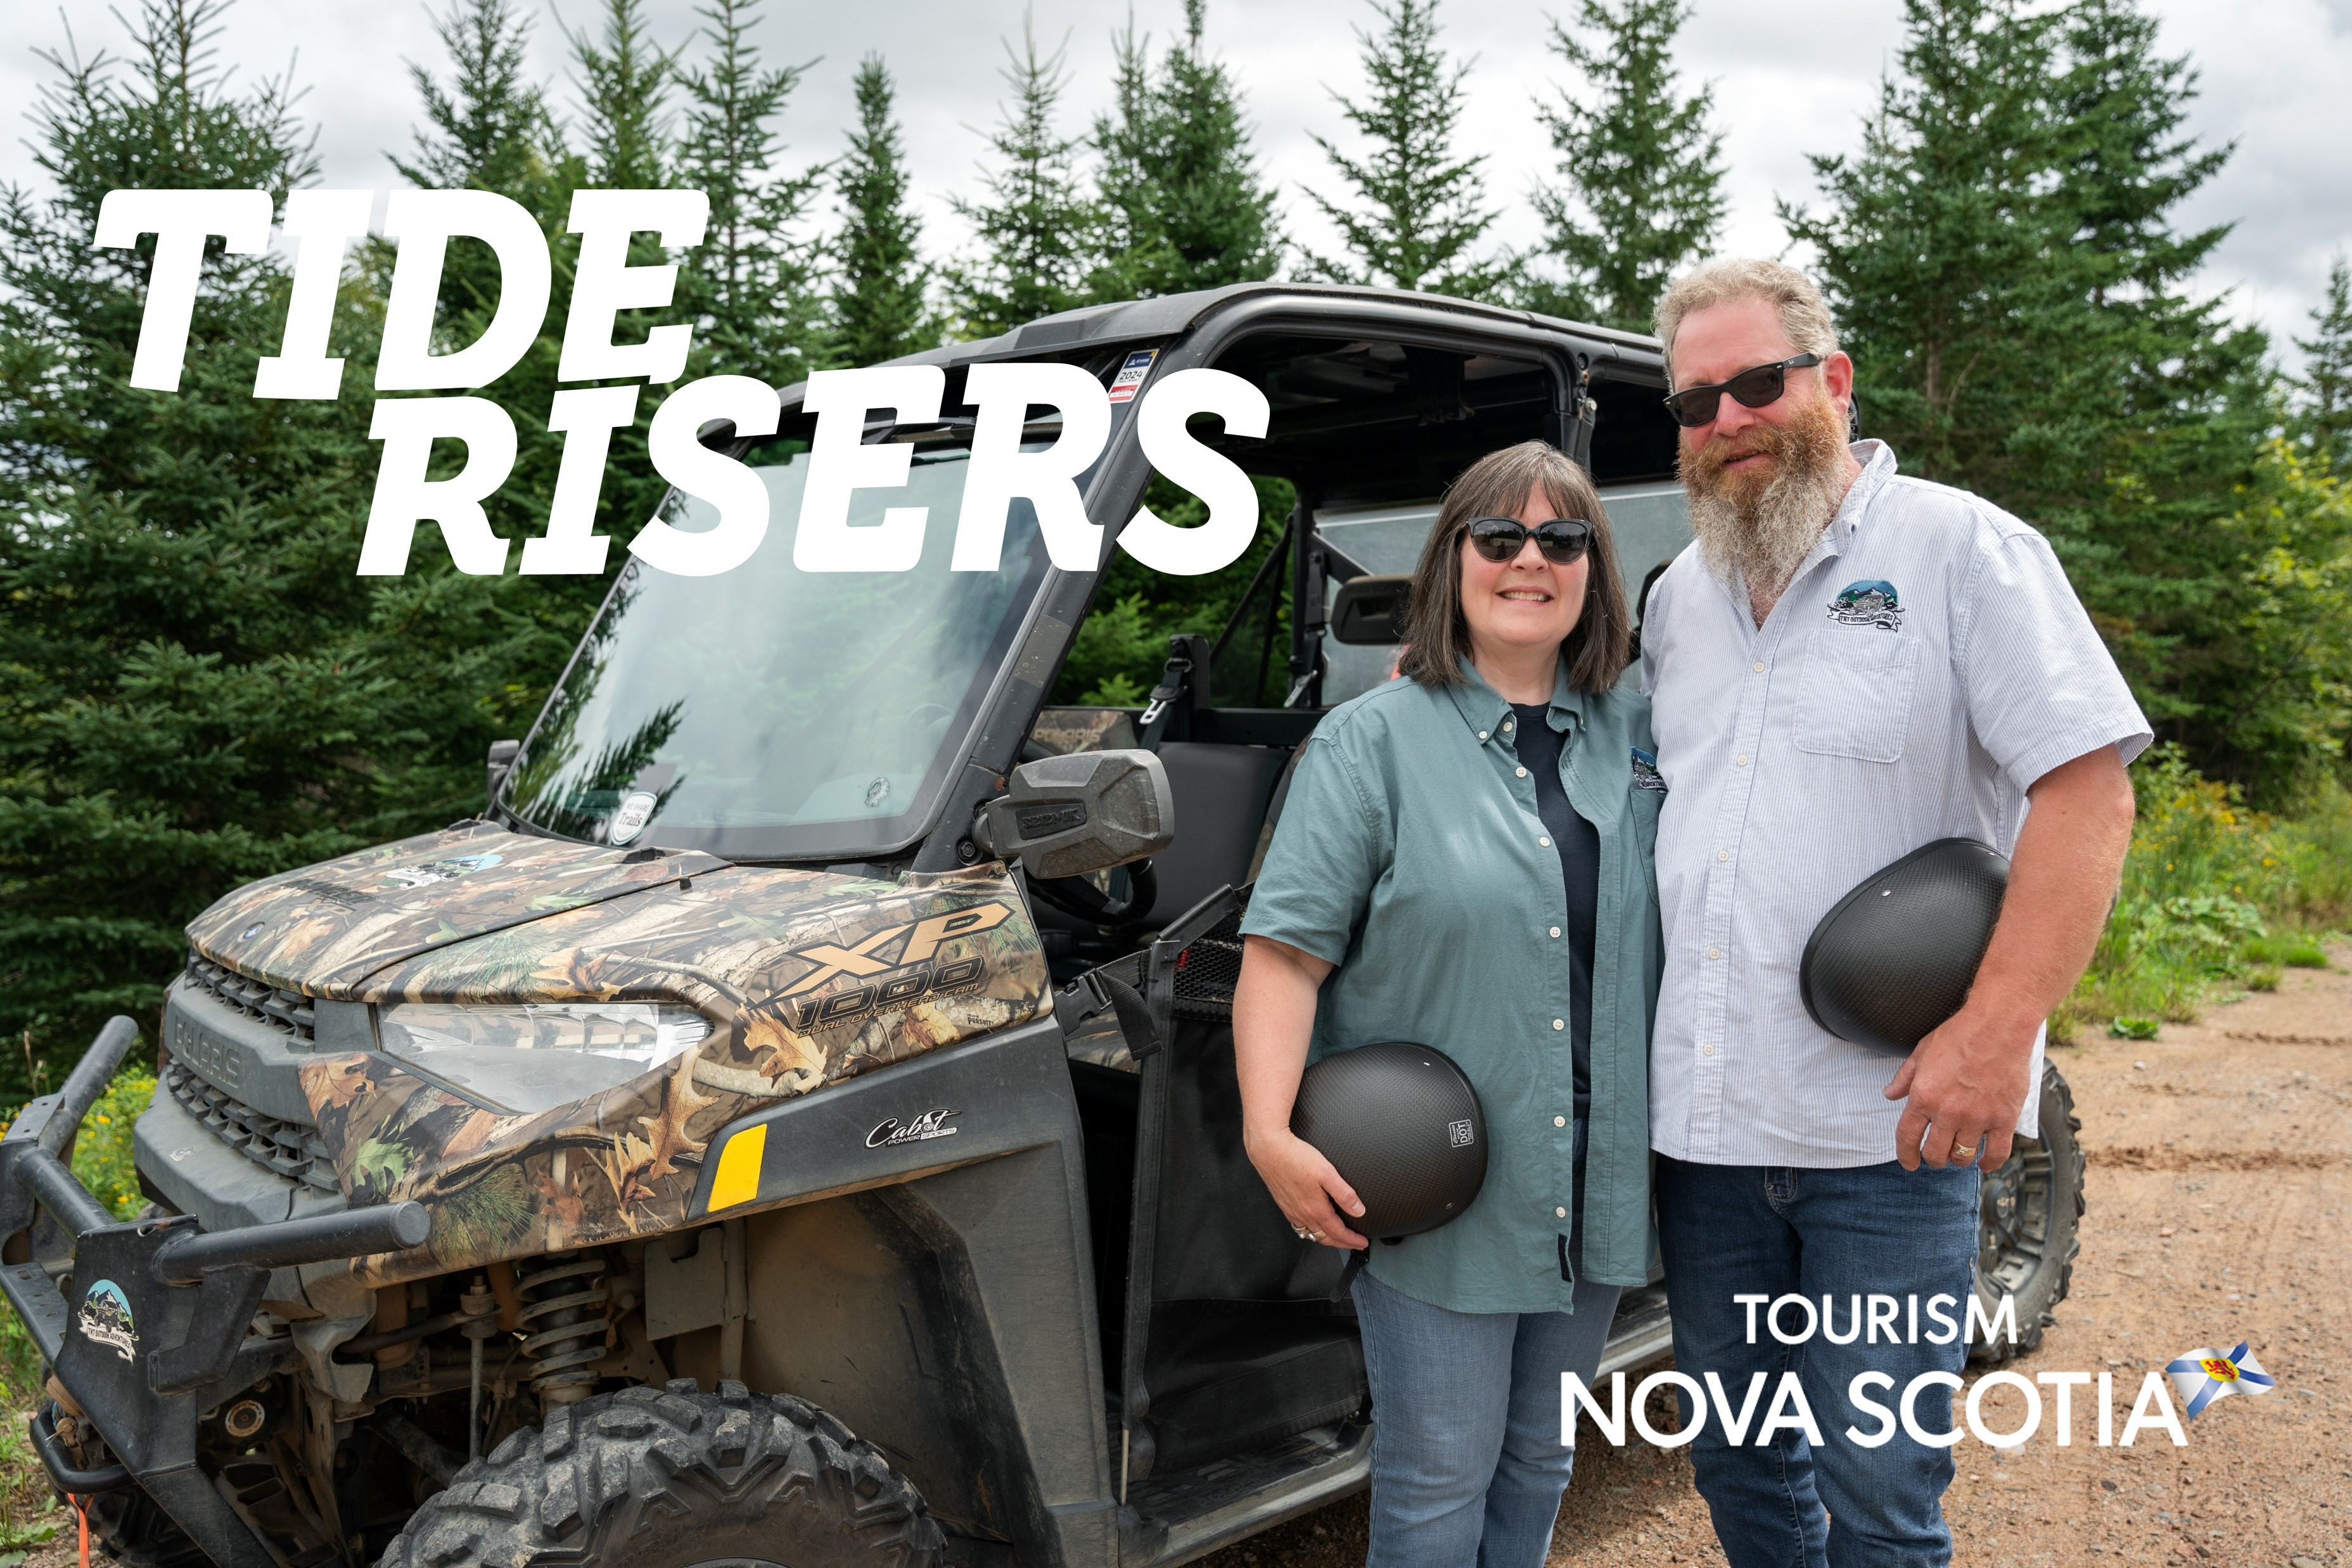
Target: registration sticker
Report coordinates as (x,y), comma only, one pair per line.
(1124,385)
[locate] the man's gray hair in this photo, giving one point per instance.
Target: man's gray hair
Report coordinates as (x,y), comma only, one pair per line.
(1804,314)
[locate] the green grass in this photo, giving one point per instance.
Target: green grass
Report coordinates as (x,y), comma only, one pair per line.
(29,1511)
(2296,949)
(2216,899)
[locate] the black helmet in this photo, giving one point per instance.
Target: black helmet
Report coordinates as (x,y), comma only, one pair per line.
(1402,1126)
(1895,957)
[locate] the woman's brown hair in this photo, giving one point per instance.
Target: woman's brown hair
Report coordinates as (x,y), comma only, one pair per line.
(1437,634)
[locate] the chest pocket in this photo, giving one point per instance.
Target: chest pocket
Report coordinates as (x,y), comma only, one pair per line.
(1855,698)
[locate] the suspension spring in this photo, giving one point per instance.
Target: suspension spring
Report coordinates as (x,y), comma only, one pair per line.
(565,1306)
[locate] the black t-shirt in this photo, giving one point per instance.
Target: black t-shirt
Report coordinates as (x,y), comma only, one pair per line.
(1579,842)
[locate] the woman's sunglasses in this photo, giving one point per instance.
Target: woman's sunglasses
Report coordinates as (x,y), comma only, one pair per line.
(1562,539)
(1759,386)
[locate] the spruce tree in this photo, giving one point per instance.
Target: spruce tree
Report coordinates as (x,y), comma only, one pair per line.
(490,129)
(879,311)
(1418,211)
(195,688)
(1180,190)
(1037,232)
(2324,412)
(1939,249)
(2158,406)
(624,81)
(2010,280)
(749,282)
(1639,188)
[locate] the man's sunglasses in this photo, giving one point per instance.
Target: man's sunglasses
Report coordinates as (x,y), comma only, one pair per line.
(1562,539)
(1755,387)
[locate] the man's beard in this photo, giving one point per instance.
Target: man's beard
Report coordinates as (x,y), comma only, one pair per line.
(1760,524)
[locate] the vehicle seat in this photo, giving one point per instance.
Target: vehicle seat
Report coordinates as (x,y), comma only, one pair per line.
(1222,795)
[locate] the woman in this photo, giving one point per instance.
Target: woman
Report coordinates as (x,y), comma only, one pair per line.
(1463,862)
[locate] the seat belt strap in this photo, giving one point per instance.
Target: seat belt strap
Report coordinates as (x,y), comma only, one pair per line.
(1175,680)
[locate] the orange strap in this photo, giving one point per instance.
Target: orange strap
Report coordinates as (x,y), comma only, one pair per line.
(81,1512)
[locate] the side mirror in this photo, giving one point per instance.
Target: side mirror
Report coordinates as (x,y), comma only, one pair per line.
(502,756)
(1370,611)
(1066,815)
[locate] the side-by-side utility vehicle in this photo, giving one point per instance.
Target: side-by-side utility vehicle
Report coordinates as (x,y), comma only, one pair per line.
(792,1124)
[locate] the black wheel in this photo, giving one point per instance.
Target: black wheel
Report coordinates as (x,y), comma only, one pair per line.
(2031,1226)
(673,1478)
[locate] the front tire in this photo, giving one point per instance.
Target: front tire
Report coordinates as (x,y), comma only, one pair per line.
(673,1478)
(2030,1226)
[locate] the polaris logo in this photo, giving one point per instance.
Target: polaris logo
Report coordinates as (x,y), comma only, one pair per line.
(211,1056)
(891,1132)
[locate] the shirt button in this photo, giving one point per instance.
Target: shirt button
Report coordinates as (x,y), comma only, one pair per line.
(1555,932)
(1559,1214)
(1758,666)
(1707,1051)
(1482,735)
(1507,726)
(1559,1120)
(1521,772)
(1545,842)
(1741,761)
(1560,1023)
(1722,854)
(1715,952)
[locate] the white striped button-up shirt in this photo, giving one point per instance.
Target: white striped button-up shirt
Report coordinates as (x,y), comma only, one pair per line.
(1927,665)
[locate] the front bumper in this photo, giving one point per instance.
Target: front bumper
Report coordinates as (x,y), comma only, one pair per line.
(147,1324)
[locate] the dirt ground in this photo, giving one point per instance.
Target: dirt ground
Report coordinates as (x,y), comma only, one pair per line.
(2219,1187)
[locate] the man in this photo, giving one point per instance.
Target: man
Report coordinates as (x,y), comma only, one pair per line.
(1847,664)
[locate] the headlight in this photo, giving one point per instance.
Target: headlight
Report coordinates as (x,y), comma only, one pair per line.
(537,1056)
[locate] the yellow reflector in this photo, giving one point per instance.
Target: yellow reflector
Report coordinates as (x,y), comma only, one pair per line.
(738,1180)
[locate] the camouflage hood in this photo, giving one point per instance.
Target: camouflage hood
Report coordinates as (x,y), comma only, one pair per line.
(322,930)
(807,977)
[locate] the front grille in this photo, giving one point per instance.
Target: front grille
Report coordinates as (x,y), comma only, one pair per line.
(290,1148)
(289,1013)
(1210,966)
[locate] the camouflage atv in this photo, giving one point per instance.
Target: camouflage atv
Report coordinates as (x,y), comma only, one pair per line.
(796,1123)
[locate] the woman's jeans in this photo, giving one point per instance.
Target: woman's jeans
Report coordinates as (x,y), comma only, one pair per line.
(1467,1465)
(1770,1232)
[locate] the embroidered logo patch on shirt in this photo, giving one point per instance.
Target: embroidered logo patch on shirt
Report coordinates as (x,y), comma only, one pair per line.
(1869,603)
(1645,772)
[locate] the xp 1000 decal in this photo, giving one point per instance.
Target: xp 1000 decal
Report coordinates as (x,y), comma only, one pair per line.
(914,972)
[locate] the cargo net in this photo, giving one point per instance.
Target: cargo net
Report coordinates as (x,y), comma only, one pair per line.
(1207,971)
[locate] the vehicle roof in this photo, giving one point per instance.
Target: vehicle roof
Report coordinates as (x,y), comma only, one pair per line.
(1166,315)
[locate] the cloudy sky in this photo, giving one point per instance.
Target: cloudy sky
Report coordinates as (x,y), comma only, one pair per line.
(1790,79)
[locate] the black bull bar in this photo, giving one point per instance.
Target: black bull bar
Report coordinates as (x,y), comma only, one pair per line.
(149,1324)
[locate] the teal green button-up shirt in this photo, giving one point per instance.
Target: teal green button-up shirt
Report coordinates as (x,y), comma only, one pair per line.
(1409,854)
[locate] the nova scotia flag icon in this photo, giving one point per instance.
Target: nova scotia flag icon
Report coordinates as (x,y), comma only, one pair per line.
(2201,1376)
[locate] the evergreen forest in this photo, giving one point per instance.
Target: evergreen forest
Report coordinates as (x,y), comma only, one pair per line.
(196,690)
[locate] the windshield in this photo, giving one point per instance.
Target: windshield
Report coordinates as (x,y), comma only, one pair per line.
(773,714)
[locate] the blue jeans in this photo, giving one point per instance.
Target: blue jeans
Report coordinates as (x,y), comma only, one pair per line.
(1775,1230)
(1467,1465)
